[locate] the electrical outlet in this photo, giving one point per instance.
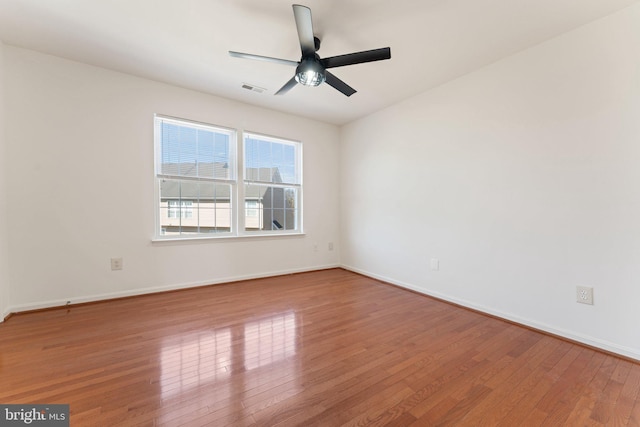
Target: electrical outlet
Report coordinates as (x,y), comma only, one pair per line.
(435,264)
(315,247)
(330,246)
(116,263)
(584,295)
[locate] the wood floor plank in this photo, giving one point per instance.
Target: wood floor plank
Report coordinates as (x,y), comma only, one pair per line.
(325,348)
(567,394)
(627,397)
(503,400)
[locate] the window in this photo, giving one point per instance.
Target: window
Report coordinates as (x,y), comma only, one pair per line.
(180,209)
(200,191)
(272,183)
(251,208)
(195,173)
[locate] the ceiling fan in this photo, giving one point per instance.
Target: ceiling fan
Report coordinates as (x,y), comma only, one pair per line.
(311,70)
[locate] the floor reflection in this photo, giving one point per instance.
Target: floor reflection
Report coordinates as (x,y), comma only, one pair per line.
(194,360)
(202,358)
(269,340)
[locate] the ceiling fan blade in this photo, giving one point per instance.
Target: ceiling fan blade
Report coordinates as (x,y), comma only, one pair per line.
(357,57)
(262,58)
(338,84)
(287,86)
(304,25)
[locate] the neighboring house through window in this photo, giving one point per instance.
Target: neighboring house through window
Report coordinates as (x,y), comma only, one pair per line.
(180,209)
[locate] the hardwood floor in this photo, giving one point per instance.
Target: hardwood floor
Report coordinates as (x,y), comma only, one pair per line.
(327,348)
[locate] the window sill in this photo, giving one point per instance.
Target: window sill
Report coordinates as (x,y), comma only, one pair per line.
(183,239)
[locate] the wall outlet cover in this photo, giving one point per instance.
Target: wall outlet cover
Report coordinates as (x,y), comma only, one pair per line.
(584,295)
(116,263)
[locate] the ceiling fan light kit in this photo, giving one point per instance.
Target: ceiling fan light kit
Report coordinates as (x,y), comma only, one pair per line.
(310,73)
(311,69)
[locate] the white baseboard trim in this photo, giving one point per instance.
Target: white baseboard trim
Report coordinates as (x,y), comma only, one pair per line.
(155,289)
(587,340)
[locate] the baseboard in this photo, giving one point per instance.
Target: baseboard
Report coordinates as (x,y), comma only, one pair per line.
(154,289)
(568,335)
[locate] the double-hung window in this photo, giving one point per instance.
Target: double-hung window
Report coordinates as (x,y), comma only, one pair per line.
(195,177)
(207,186)
(272,184)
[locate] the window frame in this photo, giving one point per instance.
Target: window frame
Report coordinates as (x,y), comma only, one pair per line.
(236,181)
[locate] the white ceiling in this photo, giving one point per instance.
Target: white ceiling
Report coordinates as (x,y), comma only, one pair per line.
(185,42)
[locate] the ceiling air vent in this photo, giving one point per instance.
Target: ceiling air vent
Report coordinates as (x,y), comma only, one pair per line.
(253,88)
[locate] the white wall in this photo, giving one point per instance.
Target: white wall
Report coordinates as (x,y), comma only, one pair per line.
(522,178)
(80,186)
(4,261)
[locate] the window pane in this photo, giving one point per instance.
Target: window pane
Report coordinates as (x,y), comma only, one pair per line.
(270,208)
(291,198)
(205,158)
(193,150)
(191,207)
(180,209)
(267,195)
(290,219)
(254,205)
(277,219)
(270,160)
